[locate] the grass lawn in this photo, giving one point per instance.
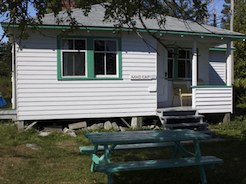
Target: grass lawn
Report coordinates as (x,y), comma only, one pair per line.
(56,159)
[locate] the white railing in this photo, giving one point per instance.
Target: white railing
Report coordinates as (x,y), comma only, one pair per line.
(212,99)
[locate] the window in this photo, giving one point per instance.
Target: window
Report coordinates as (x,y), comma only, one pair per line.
(105,57)
(179,63)
(170,62)
(184,64)
(73,57)
(89,58)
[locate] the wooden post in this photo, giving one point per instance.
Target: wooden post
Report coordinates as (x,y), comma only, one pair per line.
(20,125)
(194,63)
(227,118)
(136,122)
(229,65)
(194,71)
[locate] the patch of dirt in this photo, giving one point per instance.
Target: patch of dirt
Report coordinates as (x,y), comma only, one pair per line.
(68,145)
(24,151)
(9,163)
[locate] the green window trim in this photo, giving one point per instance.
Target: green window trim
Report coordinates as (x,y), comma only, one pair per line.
(175,76)
(89,60)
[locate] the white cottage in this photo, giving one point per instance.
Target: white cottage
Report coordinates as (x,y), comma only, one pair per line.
(99,71)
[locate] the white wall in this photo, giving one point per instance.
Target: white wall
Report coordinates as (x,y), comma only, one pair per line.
(213,100)
(217,68)
(41,96)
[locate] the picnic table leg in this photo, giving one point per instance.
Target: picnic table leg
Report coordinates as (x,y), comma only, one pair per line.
(202,175)
(110,178)
(106,153)
(179,148)
(93,162)
(198,158)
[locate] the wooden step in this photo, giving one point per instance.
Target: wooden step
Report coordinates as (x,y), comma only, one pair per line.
(183,117)
(184,125)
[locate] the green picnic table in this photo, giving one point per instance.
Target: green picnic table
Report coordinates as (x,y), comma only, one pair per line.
(106,142)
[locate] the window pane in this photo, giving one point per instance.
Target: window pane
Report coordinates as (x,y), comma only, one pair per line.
(79,44)
(73,64)
(182,54)
(79,64)
(111,63)
(111,45)
(188,69)
(170,68)
(99,63)
(67,64)
(188,54)
(67,44)
(170,53)
(181,68)
(99,45)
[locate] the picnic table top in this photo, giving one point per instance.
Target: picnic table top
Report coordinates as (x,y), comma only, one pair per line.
(149,136)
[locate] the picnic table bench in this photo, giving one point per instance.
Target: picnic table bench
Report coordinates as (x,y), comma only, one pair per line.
(106,142)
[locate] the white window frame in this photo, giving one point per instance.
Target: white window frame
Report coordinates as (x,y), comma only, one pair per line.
(186,59)
(105,61)
(75,51)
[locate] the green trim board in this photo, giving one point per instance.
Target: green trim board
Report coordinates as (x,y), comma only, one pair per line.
(130,29)
(89,59)
(220,49)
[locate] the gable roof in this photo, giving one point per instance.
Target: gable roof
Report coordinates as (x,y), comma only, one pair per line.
(96,16)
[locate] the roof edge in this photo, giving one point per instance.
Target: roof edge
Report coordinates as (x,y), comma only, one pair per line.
(89,28)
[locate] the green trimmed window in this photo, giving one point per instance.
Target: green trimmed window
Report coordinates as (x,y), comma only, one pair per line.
(171,60)
(105,58)
(73,57)
(179,63)
(89,58)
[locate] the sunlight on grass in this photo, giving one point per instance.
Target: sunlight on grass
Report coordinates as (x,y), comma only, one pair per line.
(235,129)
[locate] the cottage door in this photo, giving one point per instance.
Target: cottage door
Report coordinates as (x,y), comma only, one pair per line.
(162,82)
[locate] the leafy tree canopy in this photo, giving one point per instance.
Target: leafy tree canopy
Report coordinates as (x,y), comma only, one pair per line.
(120,11)
(5,59)
(239,26)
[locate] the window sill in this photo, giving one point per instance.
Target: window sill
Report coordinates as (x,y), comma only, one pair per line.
(179,79)
(81,79)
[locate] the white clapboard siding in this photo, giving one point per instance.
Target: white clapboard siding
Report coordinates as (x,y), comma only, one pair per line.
(213,100)
(217,67)
(40,96)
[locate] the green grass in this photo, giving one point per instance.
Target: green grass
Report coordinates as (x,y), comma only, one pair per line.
(58,159)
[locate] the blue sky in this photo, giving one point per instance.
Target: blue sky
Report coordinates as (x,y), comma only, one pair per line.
(218,5)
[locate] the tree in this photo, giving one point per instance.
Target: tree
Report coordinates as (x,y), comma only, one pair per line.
(5,70)
(240,53)
(121,11)
(239,26)
(5,59)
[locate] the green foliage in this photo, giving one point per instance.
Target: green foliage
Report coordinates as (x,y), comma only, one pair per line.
(5,71)
(235,129)
(240,91)
(240,54)
(118,11)
(5,59)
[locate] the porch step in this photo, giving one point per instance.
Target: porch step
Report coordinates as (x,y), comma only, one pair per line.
(182,118)
(8,114)
(185,125)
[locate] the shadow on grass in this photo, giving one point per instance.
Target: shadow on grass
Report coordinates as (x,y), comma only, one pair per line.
(231,150)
